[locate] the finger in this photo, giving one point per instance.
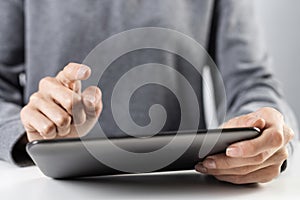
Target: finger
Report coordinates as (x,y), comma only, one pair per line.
(238,149)
(270,140)
(36,122)
(63,131)
(92,101)
(31,132)
(288,134)
(276,159)
(52,111)
(73,73)
(249,120)
(78,113)
(272,137)
(258,123)
(32,135)
(221,161)
(234,171)
(260,176)
(66,98)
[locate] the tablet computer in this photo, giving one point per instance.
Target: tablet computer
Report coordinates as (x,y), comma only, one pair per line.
(72,158)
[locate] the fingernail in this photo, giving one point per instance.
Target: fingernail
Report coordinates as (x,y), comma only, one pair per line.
(90,99)
(234,152)
(82,72)
(210,163)
(201,168)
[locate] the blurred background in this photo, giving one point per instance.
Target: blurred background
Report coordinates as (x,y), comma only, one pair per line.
(280,23)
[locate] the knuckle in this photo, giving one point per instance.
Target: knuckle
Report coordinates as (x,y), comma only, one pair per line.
(35,97)
(24,113)
(225,162)
(277,138)
(44,83)
(244,170)
(48,128)
(68,102)
(62,121)
(284,154)
(260,158)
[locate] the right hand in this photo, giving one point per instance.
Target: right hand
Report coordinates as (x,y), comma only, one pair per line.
(59,109)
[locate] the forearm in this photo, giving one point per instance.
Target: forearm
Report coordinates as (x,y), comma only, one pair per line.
(245,65)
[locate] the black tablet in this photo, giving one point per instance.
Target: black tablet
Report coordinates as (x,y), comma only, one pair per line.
(166,151)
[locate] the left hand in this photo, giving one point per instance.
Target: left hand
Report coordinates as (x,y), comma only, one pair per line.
(253,161)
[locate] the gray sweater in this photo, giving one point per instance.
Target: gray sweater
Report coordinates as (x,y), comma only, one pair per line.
(38,38)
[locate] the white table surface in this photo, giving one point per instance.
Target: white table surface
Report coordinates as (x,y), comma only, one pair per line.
(29,183)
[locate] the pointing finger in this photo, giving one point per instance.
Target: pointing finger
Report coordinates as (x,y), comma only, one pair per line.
(73,73)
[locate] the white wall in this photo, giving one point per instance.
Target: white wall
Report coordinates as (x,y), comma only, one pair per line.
(281,23)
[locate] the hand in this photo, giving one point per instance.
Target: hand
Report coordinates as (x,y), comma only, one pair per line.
(59,109)
(253,161)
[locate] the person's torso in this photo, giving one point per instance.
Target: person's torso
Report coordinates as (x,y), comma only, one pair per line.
(58,32)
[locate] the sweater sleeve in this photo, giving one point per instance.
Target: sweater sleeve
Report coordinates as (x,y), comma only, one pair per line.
(11,91)
(245,65)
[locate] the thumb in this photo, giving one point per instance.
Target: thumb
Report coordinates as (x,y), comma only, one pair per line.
(258,123)
(92,101)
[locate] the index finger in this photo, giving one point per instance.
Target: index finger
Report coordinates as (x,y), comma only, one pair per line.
(73,72)
(271,139)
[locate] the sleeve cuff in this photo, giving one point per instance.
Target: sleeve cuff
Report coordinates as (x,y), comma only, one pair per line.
(10,148)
